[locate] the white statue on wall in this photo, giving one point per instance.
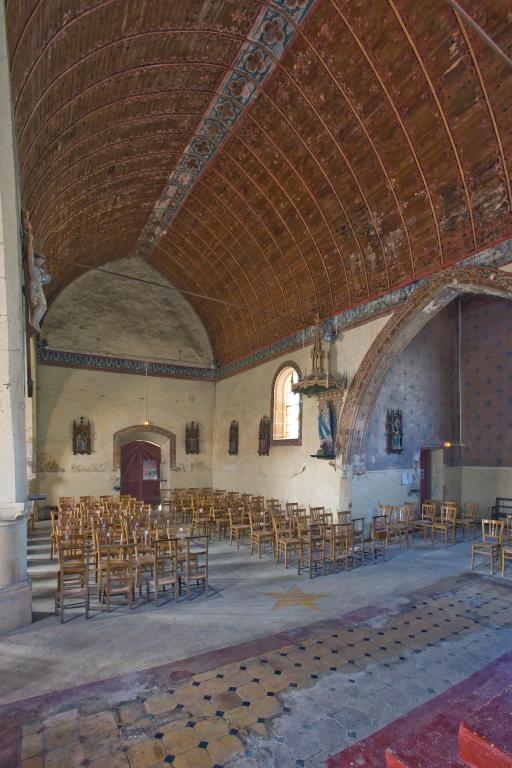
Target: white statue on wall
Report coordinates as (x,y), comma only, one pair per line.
(38,276)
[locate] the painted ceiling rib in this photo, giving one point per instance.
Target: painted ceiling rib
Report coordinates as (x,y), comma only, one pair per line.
(271,34)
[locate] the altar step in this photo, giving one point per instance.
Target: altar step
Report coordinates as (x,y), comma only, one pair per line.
(483,739)
(467,726)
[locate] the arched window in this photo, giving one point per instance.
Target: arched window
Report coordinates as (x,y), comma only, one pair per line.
(286,407)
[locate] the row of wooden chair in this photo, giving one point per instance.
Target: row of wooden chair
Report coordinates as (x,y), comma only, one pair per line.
(120,546)
(496,544)
(435,519)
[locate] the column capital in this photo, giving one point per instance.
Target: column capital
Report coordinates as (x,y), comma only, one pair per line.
(13,512)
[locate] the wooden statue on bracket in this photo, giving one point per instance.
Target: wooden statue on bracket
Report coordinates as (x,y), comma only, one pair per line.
(394,431)
(264,437)
(233,438)
(81,436)
(192,437)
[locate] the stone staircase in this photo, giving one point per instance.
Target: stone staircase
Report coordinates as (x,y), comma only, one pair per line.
(42,570)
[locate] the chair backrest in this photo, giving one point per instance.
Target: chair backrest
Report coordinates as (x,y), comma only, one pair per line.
(316,512)
(341,534)
(448,513)
(428,510)
(470,510)
(492,531)
(345,516)
(379,527)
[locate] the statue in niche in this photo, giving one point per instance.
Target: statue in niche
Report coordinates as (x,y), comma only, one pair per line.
(264,437)
(394,431)
(192,437)
(326,427)
(233,438)
(38,276)
(81,436)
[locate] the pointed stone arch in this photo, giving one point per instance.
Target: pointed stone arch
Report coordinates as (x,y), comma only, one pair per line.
(398,332)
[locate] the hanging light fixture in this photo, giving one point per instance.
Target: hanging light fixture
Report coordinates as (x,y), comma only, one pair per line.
(318,381)
(450,443)
(146,420)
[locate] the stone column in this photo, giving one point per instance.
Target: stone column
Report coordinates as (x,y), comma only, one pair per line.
(15,591)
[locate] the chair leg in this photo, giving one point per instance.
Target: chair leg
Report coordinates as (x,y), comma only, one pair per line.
(472,557)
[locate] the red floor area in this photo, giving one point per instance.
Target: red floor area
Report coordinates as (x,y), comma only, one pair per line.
(427,737)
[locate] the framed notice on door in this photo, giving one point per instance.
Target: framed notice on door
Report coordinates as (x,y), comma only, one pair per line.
(149,469)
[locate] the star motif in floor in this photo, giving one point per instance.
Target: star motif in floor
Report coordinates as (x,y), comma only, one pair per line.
(295,596)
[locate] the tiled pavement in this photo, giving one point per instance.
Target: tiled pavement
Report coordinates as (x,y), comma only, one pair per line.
(290,704)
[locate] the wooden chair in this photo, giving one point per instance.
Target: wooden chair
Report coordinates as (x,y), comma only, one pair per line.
(313,552)
(53,534)
(144,553)
(316,513)
(201,519)
(341,544)
(286,538)
(164,569)
(220,519)
(379,535)
(260,532)
(426,521)
(507,530)
(445,523)
(238,526)
(195,572)
(506,553)
(399,525)
(359,540)
(119,575)
(467,520)
(65,503)
(72,576)
(492,535)
(31,521)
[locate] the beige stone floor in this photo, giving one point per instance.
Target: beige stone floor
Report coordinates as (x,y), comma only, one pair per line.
(207,719)
(239,609)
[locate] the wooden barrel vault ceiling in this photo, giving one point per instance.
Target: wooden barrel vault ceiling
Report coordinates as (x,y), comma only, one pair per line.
(285,157)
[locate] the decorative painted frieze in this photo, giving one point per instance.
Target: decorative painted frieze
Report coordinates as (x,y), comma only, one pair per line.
(496,256)
(268,39)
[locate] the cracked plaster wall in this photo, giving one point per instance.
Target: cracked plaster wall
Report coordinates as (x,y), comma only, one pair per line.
(108,315)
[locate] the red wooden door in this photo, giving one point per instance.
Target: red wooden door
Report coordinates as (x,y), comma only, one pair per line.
(140,470)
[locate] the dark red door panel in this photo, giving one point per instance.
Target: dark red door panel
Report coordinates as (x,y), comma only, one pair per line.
(140,470)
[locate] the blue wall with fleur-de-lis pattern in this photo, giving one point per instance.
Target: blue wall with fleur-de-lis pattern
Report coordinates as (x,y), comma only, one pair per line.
(423,383)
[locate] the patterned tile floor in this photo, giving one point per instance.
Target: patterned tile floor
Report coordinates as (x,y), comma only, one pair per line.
(291,705)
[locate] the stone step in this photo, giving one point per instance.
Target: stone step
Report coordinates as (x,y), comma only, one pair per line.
(434,745)
(485,737)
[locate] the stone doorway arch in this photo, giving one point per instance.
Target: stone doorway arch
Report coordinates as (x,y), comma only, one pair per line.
(149,432)
(398,332)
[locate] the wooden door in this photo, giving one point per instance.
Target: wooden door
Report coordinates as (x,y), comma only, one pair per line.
(140,470)
(432,474)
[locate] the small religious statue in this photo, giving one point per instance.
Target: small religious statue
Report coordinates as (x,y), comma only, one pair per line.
(192,437)
(264,437)
(38,276)
(394,431)
(326,428)
(233,439)
(82,436)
